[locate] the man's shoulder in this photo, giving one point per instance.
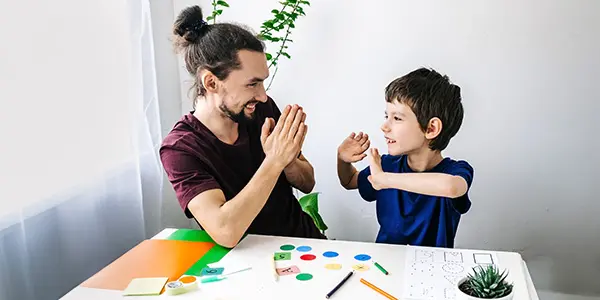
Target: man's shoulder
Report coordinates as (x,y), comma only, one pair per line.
(180,137)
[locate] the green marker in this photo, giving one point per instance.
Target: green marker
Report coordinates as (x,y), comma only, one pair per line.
(381,268)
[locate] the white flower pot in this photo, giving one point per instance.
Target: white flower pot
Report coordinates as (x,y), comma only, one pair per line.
(460,295)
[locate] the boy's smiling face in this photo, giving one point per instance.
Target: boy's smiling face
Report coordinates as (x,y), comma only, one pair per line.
(402,131)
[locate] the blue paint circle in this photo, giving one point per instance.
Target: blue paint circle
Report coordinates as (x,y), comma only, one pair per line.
(330,254)
(304,248)
(362,257)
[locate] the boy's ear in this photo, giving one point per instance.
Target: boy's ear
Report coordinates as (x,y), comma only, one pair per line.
(434,128)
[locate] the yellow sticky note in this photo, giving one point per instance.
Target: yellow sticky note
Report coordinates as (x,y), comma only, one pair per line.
(145,286)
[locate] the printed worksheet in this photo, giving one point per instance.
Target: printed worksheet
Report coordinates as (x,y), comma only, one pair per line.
(432,273)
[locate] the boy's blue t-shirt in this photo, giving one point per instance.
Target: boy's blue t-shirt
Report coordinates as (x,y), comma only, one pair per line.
(415,219)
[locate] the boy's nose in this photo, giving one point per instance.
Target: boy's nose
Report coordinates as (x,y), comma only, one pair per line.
(384,127)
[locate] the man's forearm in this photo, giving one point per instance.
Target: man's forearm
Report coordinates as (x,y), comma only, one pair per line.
(301,175)
(237,214)
(347,174)
(433,184)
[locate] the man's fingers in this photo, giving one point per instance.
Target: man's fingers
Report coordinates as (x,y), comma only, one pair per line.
(300,135)
(289,120)
(297,121)
(352,135)
(266,129)
(282,119)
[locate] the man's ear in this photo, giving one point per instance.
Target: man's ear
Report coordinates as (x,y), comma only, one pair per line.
(434,128)
(209,81)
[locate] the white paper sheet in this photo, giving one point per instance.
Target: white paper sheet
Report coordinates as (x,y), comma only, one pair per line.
(433,273)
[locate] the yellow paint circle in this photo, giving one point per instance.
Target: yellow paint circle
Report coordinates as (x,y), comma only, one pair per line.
(333,266)
(360,267)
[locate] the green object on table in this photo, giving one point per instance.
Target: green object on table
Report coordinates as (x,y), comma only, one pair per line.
(282,255)
(215,254)
(310,205)
(381,268)
(191,235)
(212,279)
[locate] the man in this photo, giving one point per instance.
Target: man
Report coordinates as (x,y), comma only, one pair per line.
(234,159)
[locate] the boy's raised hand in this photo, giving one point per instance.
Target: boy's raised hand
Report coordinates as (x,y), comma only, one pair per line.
(353,147)
(376,178)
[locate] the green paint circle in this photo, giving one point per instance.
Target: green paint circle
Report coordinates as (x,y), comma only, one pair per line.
(287,247)
(304,276)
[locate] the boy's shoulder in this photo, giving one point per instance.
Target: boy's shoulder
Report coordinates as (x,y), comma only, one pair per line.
(447,165)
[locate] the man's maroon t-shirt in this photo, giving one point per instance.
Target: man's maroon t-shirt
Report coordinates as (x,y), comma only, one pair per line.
(195,160)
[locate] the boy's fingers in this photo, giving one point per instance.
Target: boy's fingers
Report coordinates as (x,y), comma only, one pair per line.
(364,139)
(365,146)
(358,136)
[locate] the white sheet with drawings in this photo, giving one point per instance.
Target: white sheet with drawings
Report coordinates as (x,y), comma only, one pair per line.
(432,273)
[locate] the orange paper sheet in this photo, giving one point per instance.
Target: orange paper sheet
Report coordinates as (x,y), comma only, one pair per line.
(150,258)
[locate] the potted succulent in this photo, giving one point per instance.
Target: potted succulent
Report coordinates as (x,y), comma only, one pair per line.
(485,283)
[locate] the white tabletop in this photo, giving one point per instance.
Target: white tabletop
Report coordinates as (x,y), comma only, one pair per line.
(258,283)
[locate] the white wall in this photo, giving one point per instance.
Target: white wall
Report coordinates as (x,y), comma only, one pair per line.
(528,72)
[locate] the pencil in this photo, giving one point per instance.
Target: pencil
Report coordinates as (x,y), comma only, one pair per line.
(339,284)
(275,275)
(381,268)
(378,290)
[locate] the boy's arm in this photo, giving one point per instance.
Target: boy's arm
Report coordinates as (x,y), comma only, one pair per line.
(433,184)
(347,174)
(351,150)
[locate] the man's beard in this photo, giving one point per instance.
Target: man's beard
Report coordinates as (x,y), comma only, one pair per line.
(239,117)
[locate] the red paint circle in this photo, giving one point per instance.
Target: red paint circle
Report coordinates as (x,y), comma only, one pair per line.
(307,257)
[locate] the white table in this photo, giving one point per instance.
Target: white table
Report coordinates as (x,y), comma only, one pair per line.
(258,283)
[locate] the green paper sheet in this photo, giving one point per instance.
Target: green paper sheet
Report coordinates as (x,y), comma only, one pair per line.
(215,254)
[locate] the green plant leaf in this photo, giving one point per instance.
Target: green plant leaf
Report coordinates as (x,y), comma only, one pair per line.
(286,54)
(275,11)
(222,3)
(219,11)
(280,16)
(209,18)
(269,56)
(292,25)
(305,2)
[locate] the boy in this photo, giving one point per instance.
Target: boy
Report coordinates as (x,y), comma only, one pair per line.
(420,194)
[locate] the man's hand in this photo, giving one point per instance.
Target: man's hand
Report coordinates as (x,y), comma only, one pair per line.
(282,142)
(377,176)
(353,148)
